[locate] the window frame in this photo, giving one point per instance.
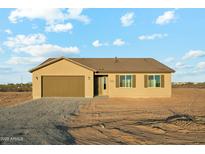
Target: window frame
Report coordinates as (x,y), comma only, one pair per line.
(154,79)
(125,75)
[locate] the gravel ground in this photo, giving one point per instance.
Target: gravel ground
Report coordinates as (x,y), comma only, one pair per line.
(41,121)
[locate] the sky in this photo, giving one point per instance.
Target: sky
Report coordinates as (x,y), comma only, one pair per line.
(175,37)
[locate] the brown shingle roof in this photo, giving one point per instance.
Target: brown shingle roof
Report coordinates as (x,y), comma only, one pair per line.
(117,65)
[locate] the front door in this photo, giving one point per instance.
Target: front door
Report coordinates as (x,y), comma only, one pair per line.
(102,85)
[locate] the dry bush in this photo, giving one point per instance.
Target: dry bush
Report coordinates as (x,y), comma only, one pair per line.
(19,87)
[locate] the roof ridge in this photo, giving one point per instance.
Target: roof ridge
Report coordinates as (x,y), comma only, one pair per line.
(148,65)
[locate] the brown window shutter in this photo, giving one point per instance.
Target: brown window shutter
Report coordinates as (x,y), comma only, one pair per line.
(133,81)
(117,81)
(162,81)
(145,81)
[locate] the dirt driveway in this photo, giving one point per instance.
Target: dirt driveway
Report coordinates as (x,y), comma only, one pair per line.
(42,121)
(176,120)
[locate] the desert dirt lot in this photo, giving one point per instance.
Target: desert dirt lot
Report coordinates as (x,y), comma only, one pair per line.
(176,120)
(14,98)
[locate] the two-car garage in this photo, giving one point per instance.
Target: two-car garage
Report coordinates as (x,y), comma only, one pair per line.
(63,86)
(62,77)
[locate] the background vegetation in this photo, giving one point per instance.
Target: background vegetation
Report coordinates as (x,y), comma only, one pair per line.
(19,87)
(188,85)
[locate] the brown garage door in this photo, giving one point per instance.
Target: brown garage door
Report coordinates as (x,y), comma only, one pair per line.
(63,86)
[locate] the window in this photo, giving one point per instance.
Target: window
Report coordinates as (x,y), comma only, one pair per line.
(154,81)
(104,83)
(126,81)
(157,81)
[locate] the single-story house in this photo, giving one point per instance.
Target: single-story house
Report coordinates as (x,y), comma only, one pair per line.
(112,77)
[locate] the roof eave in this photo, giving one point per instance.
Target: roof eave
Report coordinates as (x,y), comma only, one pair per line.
(58,59)
(135,71)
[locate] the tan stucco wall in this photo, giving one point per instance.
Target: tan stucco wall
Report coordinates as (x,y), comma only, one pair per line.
(140,91)
(62,67)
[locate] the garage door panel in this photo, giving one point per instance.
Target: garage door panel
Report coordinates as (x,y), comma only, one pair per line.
(63,86)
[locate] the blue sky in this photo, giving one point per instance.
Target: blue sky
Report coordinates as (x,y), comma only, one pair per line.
(175,37)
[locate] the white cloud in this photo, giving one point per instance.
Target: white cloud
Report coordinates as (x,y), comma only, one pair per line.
(25,60)
(193,54)
(152,37)
(55,18)
(8,31)
(201,65)
(127,19)
(169,59)
(42,49)
(50,15)
(118,42)
(22,40)
(180,65)
(166,18)
(35,45)
(59,27)
(76,14)
(97,43)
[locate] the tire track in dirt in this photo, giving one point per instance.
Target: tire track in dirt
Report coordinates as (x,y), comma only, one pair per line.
(132,121)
